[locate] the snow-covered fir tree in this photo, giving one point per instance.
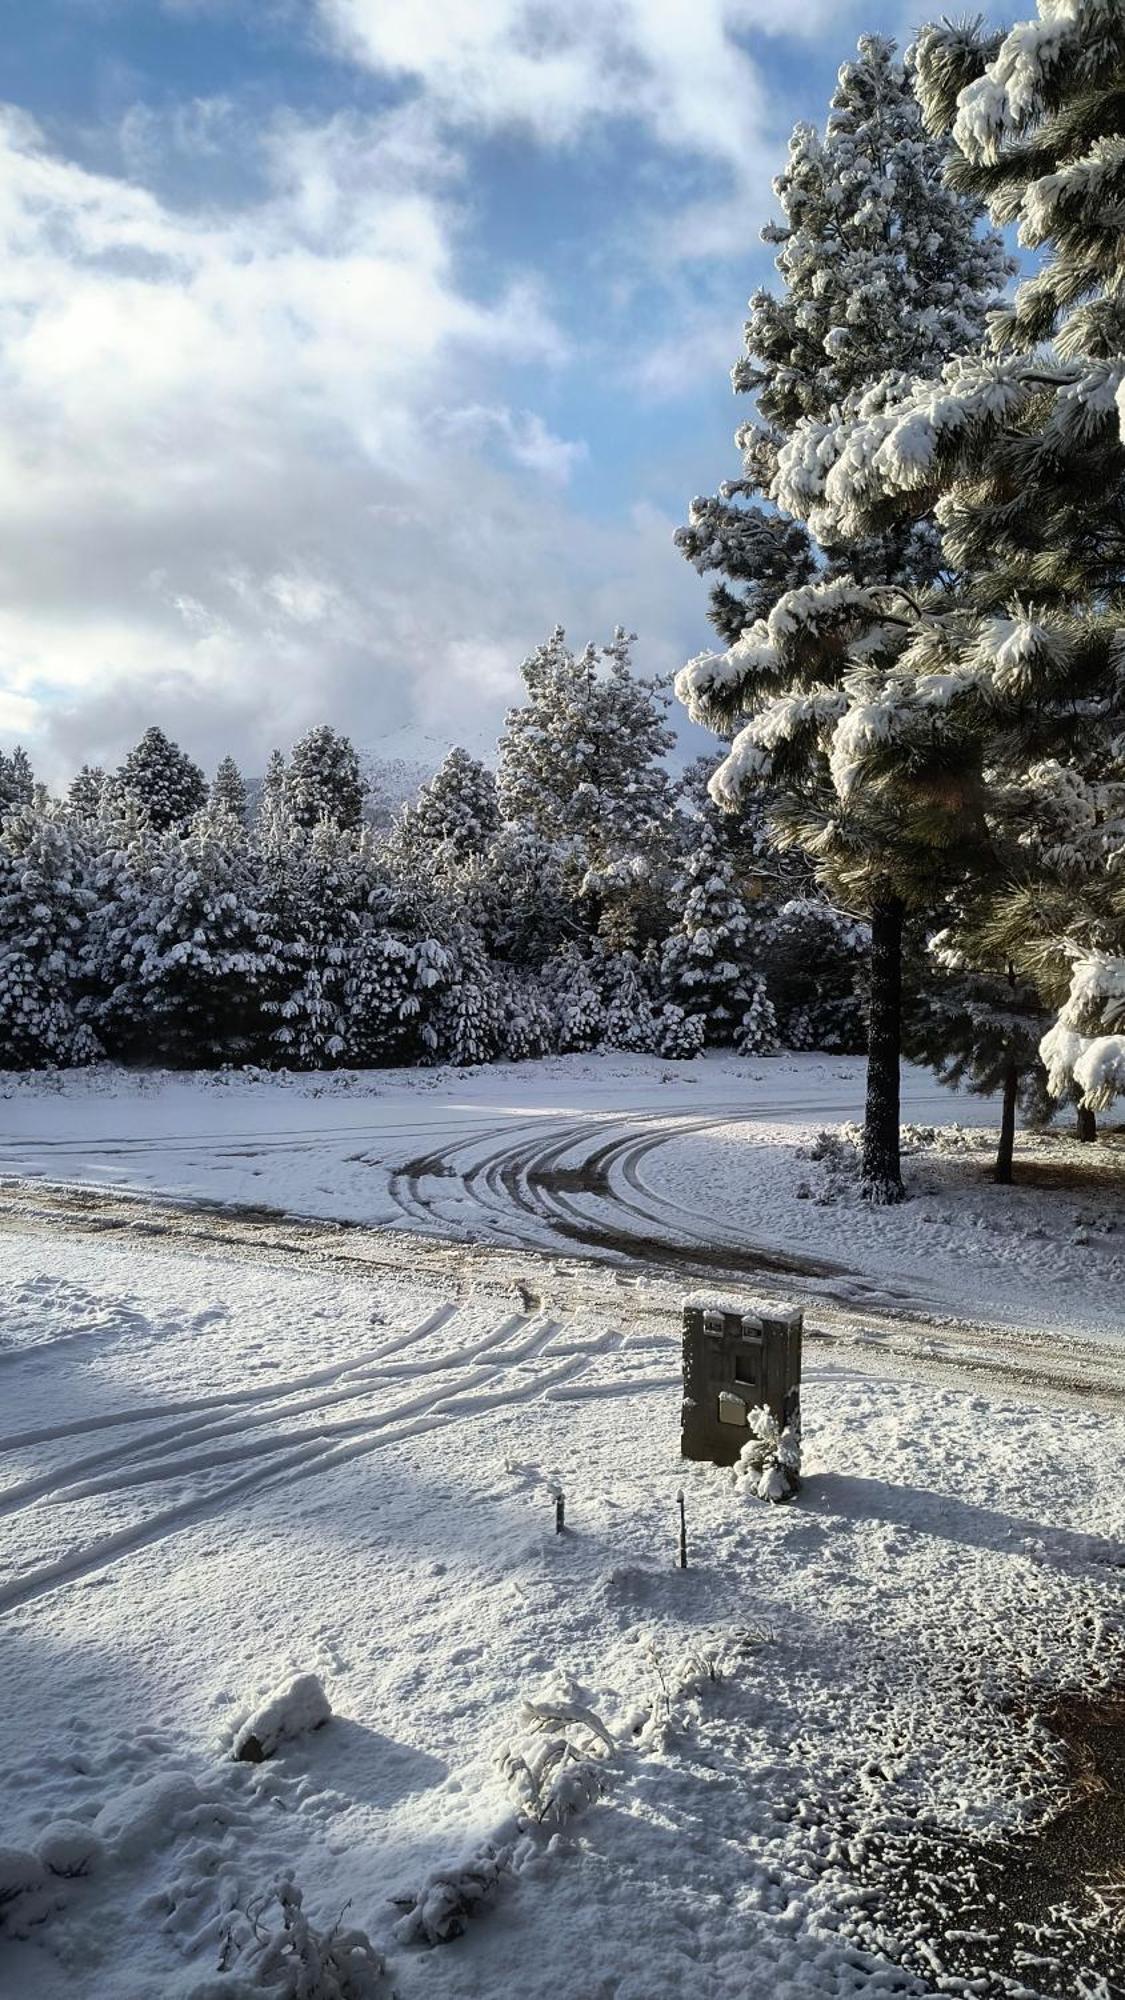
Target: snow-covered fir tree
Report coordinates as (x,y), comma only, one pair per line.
(516,894)
(160,782)
(17,780)
(453,818)
(527,1021)
(885,274)
(201,955)
(323,780)
(86,792)
(882,271)
(974,701)
(579,1014)
(580,762)
(466,1015)
(381,1004)
(314,893)
(46,894)
(705,964)
(228,790)
(630,1018)
(271,806)
(757,1031)
(680,1035)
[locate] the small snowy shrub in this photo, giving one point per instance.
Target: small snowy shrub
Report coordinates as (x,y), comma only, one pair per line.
(289,1711)
(441,1908)
(561,1771)
(293,1961)
(772,1458)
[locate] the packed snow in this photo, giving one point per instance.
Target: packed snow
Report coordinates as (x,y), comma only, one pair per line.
(222,1474)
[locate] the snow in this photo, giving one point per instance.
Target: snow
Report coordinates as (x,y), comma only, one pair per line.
(288,1712)
(221,1471)
(603,1154)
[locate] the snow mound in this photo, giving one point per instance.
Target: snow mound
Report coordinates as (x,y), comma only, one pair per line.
(70,1848)
(289,1711)
(27,1894)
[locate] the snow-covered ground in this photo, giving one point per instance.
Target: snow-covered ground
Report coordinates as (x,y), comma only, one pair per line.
(219,1474)
(620,1155)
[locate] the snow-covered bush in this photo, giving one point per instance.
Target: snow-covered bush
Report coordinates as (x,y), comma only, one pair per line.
(560,1769)
(289,1959)
(441,1908)
(771,1460)
(292,1710)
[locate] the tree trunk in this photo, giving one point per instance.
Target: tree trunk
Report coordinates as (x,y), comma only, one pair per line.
(881,1176)
(1003,1174)
(1087,1124)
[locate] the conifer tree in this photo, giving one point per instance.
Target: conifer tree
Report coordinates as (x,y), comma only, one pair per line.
(580,761)
(160,782)
(202,958)
(228,790)
(45,902)
(630,1017)
(705,963)
(885,274)
(87,789)
(17,780)
(982,699)
(453,818)
(324,781)
(271,808)
(579,1014)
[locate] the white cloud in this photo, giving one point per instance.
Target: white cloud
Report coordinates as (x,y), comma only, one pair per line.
(225,501)
(556,67)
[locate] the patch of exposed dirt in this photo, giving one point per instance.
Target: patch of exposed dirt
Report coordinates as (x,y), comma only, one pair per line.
(1042,1912)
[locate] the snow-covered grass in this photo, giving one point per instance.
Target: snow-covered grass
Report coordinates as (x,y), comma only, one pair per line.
(219,1475)
(613,1154)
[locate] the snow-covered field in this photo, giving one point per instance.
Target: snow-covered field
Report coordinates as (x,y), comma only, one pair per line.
(228,1460)
(621,1155)
(221,1473)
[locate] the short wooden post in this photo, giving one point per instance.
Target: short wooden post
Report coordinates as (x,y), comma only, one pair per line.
(560,1513)
(683,1528)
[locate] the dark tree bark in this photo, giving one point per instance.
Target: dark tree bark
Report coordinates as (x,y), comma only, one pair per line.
(1003,1174)
(1087,1124)
(881,1174)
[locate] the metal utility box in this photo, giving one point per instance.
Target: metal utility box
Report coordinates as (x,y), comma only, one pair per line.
(738,1355)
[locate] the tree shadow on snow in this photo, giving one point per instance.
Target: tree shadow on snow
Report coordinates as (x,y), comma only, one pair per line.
(956,1520)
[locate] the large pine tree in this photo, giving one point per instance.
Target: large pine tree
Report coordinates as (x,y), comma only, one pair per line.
(1004,702)
(885,273)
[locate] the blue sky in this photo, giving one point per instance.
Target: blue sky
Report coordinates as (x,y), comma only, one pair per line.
(348,345)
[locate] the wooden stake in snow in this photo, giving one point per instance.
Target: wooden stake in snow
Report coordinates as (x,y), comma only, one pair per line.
(560,1512)
(683,1528)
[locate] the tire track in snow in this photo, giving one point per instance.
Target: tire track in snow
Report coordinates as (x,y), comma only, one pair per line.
(501,1368)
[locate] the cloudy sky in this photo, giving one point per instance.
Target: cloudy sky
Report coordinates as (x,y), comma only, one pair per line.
(348,345)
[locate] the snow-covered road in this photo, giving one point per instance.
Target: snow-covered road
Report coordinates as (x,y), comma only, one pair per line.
(706,1164)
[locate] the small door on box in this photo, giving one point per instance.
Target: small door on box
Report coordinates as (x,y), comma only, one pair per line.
(732,1409)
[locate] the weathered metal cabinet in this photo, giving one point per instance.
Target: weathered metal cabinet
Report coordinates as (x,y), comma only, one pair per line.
(738,1355)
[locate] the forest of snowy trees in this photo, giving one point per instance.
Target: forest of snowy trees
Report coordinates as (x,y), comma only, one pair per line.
(911,836)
